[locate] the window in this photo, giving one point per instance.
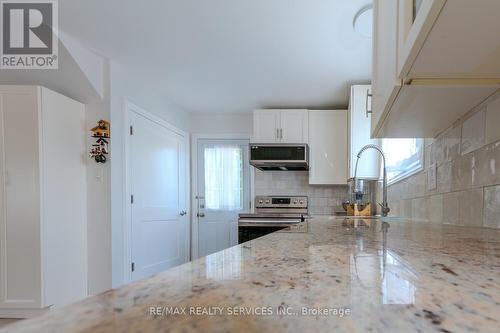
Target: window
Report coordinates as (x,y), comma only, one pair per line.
(403,157)
(224,178)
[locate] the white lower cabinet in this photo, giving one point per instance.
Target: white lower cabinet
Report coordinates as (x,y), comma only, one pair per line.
(43,252)
(328,147)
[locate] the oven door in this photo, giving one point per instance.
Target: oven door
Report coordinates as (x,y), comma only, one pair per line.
(252,227)
(249,232)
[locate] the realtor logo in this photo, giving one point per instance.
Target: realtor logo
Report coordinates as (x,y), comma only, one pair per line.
(29,34)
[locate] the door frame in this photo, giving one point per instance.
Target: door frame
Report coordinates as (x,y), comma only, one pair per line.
(194,177)
(130,107)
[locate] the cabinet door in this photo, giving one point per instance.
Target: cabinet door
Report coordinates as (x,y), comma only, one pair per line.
(416,18)
(385,83)
(294,126)
(359,134)
(265,126)
(328,147)
(20,275)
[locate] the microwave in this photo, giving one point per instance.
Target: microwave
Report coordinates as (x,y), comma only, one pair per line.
(279,157)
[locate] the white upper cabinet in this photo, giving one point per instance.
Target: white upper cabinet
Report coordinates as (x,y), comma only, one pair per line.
(385,82)
(464,41)
(280,126)
(359,134)
(266,124)
(433,61)
(294,126)
(328,147)
(415,20)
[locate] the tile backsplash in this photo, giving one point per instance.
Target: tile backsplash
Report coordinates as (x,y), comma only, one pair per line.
(467,157)
(323,200)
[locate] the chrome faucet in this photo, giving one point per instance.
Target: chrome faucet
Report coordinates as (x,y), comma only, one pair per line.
(384,204)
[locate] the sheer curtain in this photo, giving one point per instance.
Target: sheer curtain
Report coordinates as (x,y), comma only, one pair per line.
(224,178)
(403,157)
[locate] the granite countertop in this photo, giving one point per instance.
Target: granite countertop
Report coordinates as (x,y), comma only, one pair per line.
(337,276)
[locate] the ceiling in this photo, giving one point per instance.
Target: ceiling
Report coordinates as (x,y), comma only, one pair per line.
(229,55)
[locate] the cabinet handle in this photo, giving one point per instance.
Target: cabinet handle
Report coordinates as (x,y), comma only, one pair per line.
(281,133)
(368,95)
(277,133)
(182,213)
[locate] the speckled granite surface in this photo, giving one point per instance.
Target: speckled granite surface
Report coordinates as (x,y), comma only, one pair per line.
(420,277)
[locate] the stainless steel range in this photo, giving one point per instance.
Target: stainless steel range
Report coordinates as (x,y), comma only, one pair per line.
(273,213)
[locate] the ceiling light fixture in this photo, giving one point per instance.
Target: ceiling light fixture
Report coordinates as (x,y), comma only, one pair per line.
(363,21)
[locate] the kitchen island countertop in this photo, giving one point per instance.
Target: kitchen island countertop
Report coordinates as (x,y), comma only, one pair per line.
(341,275)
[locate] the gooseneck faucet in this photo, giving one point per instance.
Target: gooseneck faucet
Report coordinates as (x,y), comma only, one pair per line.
(384,204)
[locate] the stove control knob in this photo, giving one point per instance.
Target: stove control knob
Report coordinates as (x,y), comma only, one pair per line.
(261,201)
(301,202)
(267,201)
(294,202)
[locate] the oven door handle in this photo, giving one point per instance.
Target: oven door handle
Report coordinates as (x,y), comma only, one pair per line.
(275,221)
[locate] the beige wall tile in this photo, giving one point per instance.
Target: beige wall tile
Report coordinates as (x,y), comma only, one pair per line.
(438,151)
(461,172)
(444,175)
(451,208)
(492,207)
(473,132)
(324,199)
(493,121)
(419,209)
(471,207)
(452,142)
(407,208)
(487,165)
(435,210)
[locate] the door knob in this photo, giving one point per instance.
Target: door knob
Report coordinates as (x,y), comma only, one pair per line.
(183,213)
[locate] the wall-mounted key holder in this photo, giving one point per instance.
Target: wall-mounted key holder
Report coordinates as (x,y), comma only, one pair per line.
(99,150)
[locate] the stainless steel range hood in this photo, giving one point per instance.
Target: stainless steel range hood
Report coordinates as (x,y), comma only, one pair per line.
(279,156)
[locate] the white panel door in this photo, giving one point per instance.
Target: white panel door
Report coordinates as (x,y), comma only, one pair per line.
(294,126)
(328,145)
(360,135)
(266,126)
(223,192)
(159,233)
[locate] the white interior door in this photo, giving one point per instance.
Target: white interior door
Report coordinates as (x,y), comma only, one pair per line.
(159,224)
(223,192)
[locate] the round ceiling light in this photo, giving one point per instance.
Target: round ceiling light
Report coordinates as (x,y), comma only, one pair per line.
(363,21)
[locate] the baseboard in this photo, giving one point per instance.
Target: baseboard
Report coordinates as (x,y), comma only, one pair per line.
(22,313)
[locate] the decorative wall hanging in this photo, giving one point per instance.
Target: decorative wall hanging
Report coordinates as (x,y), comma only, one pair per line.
(99,150)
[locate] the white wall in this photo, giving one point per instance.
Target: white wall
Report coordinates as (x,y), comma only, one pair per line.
(99,201)
(222,123)
(126,87)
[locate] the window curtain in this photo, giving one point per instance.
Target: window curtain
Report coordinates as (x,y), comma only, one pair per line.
(224,178)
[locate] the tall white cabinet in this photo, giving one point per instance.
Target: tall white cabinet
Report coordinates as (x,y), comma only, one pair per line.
(43,254)
(359,134)
(328,147)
